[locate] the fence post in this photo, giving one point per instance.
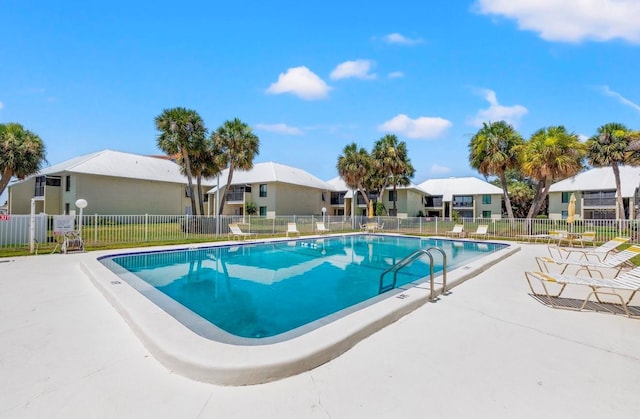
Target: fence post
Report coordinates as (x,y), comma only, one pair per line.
(146,227)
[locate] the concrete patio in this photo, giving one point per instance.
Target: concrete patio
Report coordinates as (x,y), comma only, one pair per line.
(488,349)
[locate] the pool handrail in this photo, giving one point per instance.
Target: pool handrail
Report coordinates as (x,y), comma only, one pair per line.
(410,258)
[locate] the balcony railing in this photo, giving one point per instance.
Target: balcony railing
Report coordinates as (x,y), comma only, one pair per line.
(599,202)
(433,203)
(462,204)
(235,196)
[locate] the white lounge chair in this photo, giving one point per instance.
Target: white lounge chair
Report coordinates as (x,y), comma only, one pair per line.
(320,228)
(236,233)
(587,237)
(615,262)
(292,228)
(627,281)
(600,253)
(458,231)
(482,232)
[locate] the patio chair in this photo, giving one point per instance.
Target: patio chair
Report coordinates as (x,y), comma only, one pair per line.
(627,282)
(320,228)
(600,253)
(236,233)
(292,228)
(481,232)
(615,262)
(458,231)
(72,242)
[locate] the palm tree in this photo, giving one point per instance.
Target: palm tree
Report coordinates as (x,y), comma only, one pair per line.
(22,153)
(550,154)
(204,163)
(391,159)
(236,146)
(182,132)
(610,147)
(354,165)
(493,150)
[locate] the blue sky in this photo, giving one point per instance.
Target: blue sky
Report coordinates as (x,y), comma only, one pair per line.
(311,77)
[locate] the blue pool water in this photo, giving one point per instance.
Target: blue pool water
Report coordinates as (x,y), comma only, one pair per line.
(262,290)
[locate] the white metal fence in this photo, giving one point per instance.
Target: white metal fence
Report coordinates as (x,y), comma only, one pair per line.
(130,230)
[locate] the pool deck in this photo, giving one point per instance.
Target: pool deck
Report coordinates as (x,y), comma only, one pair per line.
(488,349)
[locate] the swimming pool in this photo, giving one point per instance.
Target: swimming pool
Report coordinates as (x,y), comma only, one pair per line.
(262,293)
(192,346)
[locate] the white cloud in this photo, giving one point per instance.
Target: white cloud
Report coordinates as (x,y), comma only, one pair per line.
(357,69)
(1,105)
(396,38)
(436,169)
(395,74)
(570,21)
(582,138)
(302,82)
(497,112)
(421,127)
(280,129)
(605,90)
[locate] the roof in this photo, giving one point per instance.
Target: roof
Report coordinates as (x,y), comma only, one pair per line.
(273,172)
(122,165)
(600,179)
(449,187)
(339,184)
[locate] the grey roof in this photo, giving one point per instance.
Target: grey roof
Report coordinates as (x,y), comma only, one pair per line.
(122,165)
(273,172)
(599,179)
(448,187)
(339,185)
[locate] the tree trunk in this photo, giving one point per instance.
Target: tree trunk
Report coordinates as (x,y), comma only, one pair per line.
(364,195)
(505,192)
(226,189)
(537,201)
(4,180)
(187,166)
(200,198)
(619,203)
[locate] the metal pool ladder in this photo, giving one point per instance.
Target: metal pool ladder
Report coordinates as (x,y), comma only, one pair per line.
(407,260)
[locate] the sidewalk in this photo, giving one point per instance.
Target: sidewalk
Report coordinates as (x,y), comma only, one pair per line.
(486,350)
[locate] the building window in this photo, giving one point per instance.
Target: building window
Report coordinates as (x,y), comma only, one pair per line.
(40,182)
(565,215)
(263,211)
(324,196)
(263,191)
(393,196)
(67,209)
(486,199)
(486,214)
(67,184)
(566,196)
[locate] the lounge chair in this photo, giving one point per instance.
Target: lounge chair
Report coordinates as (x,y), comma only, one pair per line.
(626,281)
(458,231)
(236,233)
(558,236)
(587,237)
(72,242)
(600,253)
(615,262)
(481,232)
(320,228)
(292,228)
